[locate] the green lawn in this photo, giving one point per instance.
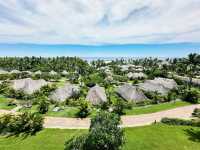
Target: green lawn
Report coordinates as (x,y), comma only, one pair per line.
(67,112)
(71,111)
(4,103)
(155,108)
(154,137)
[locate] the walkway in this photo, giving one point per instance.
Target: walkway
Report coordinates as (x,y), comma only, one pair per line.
(127,121)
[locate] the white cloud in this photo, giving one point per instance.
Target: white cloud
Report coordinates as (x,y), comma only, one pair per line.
(99,21)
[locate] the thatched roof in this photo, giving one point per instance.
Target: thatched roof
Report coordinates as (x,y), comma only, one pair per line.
(131,75)
(97,95)
(63,93)
(195,81)
(65,72)
(38,72)
(161,85)
(15,71)
(109,78)
(131,93)
(28,85)
(3,71)
(28,72)
(52,72)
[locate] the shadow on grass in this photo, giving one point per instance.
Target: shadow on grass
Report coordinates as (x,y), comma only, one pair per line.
(22,136)
(194,134)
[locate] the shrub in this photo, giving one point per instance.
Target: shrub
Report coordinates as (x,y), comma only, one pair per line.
(191,96)
(170,96)
(118,106)
(104,134)
(154,96)
(43,105)
(76,143)
(180,122)
(84,109)
(4,76)
(4,88)
(120,78)
(44,91)
(18,94)
(196,112)
(21,123)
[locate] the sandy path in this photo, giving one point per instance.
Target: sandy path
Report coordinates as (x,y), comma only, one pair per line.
(127,121)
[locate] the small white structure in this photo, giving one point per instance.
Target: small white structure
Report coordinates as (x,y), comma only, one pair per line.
(28,72)
(136,75)
(38,72)
(15,72)
(64,72)
(53,73)
(3,71)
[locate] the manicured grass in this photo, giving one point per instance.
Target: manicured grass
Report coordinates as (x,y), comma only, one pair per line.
(154,137)
(72,111)
(160,137)
(4,103)
(67,112)
(155,108)
(48,139)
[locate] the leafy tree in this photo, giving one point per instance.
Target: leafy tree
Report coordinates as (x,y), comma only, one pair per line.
(45,91)
(196,113)
(29,123)
(104,134)
(84,109)
(192,62)
(43,105)
(191,96)
(118,106)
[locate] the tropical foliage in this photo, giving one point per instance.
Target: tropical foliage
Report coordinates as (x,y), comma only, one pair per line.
(104,134)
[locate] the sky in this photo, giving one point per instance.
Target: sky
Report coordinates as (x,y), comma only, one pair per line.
(99,28)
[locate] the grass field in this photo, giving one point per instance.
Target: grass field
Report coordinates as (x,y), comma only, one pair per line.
(72,111)
(67,112)
(4,103)
(155,108)
(154,137)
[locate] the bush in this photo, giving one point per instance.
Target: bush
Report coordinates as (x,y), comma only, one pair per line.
(4,88)
(4,76)
(18,94)
(104,134)
(76,143)
(84,109)
(191,96)
(43,105)
(154,96)
(118,106)
(196,112)
(45,91)
(22,123)
(172,95)
(180,122)
(120,78)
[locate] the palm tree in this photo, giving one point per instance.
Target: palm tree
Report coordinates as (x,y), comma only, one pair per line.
(191,61)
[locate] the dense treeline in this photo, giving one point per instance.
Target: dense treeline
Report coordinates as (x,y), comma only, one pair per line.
(71,64)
